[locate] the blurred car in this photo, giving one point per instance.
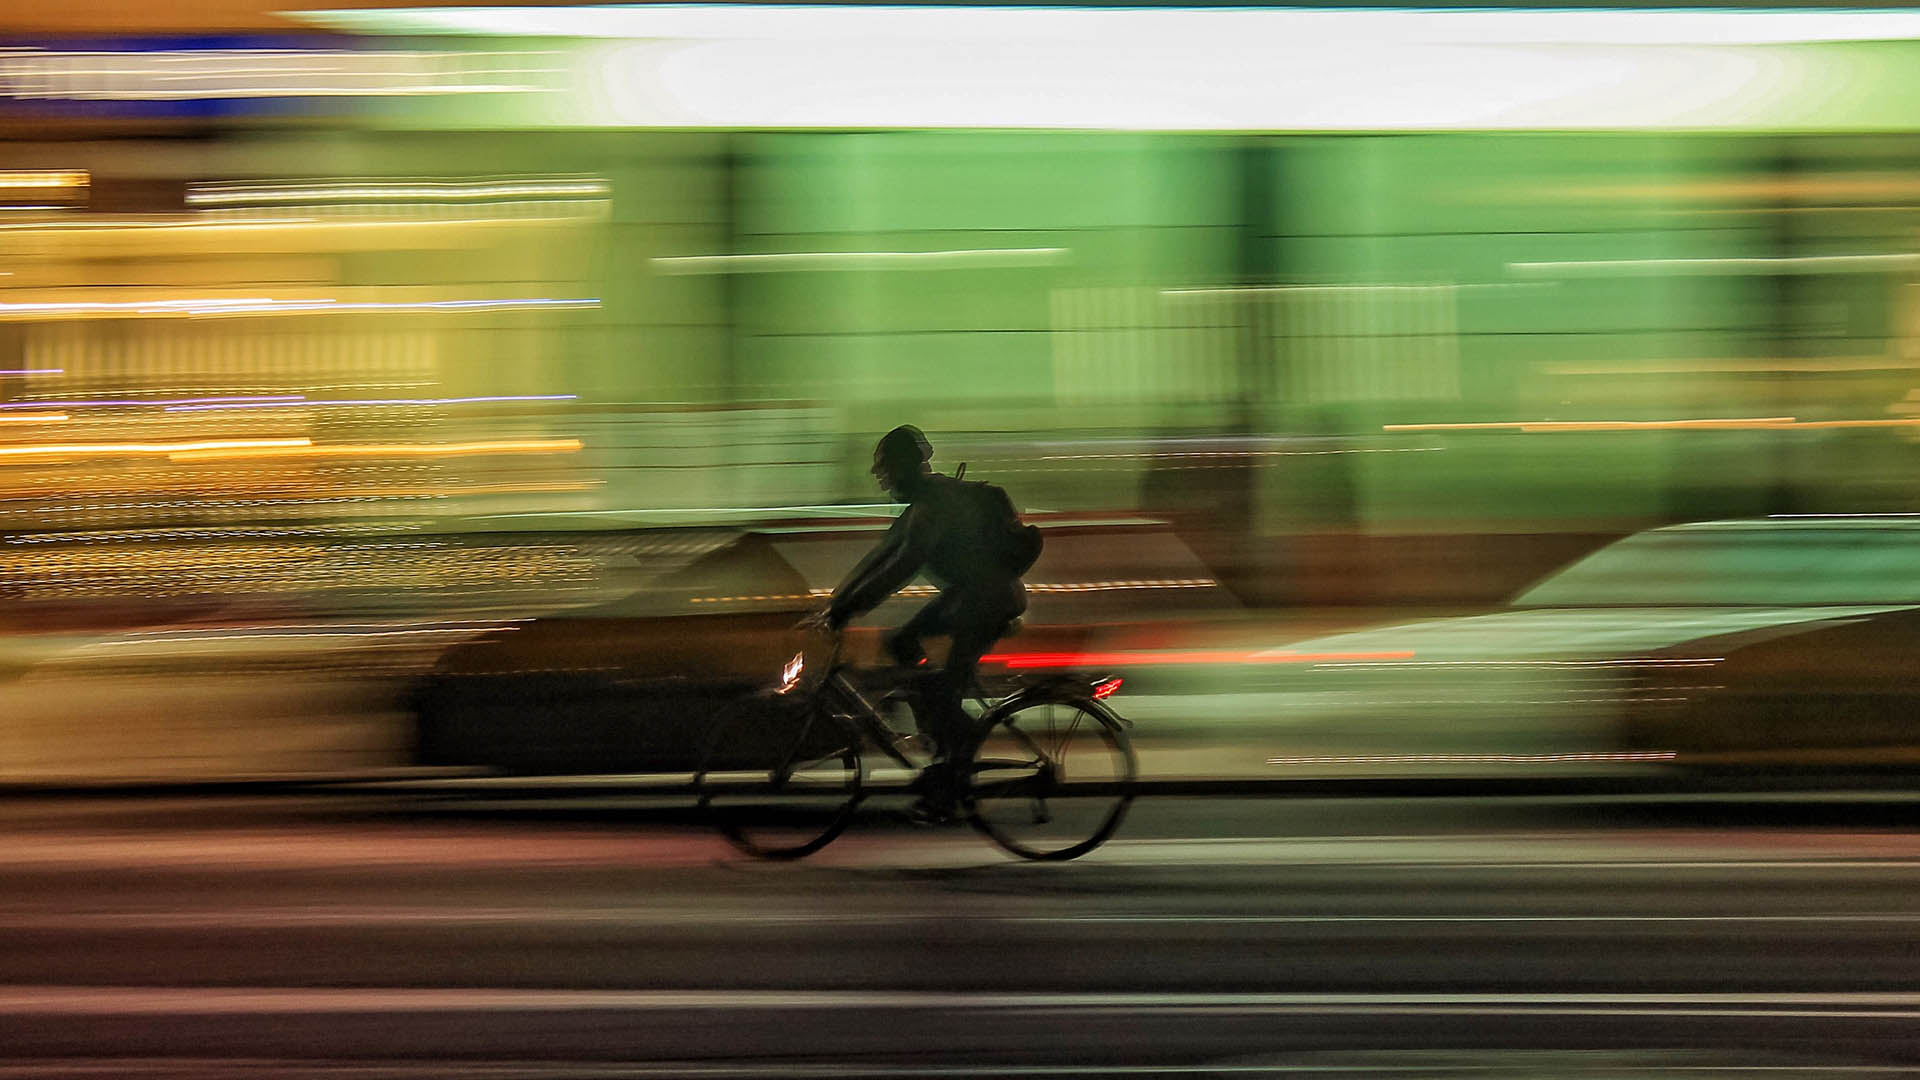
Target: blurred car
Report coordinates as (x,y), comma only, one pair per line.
(1746,643)
(628,685)
(1788,641)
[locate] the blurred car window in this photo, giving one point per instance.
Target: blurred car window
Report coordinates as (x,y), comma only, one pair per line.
(1761,562)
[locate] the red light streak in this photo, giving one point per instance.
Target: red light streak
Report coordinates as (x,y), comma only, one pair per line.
(1027,661)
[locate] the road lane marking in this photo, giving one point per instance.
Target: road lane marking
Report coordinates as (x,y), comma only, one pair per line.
(45,1000)
(255,850)
(304,918)
(467,1069)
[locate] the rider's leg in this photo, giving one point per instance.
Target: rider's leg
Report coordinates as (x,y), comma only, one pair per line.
(975,627)
(905,648)
(903,644)
(971,640)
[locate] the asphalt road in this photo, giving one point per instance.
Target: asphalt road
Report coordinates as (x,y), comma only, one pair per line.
(1453,937)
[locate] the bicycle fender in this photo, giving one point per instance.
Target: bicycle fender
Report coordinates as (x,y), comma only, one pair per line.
(1061,689)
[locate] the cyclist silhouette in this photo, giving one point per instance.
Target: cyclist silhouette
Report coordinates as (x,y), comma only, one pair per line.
(952,535)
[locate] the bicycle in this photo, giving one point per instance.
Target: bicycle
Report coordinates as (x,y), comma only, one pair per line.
(1049,773)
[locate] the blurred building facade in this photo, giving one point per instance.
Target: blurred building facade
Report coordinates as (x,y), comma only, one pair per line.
(328,296)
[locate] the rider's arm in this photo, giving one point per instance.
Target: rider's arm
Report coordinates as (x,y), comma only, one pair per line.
(887,567)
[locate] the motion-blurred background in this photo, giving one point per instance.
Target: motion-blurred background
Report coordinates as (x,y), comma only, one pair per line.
(338,348)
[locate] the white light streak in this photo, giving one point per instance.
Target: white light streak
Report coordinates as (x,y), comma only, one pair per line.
(1475,759)
(107,403)
(961,259)
(1704,661)
(1241,453)
(1535,426)
(1221,69)
(1742,423)
(1317,28)
(1843,517)
(1758,265)
(203,74)
(115,449)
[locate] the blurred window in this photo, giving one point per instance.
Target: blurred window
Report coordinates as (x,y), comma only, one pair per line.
(1776,562)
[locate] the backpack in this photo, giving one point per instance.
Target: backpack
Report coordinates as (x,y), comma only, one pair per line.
(1015,546)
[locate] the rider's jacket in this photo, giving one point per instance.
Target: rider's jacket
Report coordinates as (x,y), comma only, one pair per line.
(942,532)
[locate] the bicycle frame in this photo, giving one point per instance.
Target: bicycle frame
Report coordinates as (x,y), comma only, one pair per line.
(837,691)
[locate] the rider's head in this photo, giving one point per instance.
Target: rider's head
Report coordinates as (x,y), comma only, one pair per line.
(900,460)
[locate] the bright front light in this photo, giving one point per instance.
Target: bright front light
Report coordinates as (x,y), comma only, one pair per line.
(790,675)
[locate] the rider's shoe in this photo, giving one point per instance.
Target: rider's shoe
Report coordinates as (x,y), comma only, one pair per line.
(936,801)
(931,812)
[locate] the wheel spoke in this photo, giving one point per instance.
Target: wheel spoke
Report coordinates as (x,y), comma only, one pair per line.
(767,799)
(1004,789)
(1034,814)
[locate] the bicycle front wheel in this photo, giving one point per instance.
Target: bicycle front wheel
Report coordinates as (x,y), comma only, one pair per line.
(781,777)
(1052,779)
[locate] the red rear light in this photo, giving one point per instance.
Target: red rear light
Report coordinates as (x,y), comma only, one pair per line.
(1105,687)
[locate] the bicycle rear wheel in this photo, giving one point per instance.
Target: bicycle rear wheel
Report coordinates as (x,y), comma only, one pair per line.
(781,776)
(1052,778)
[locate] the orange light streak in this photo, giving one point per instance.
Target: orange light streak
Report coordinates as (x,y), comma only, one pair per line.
(1910,422)
(306,450)
(1740,424)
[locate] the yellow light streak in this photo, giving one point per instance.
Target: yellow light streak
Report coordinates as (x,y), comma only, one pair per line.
(130,224)
(915,591)
(446,491)
(32,418)
(305,449)
(170,448)
(17,178)
(418,190)
(1492,425)
(200,222)
(1740,424)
